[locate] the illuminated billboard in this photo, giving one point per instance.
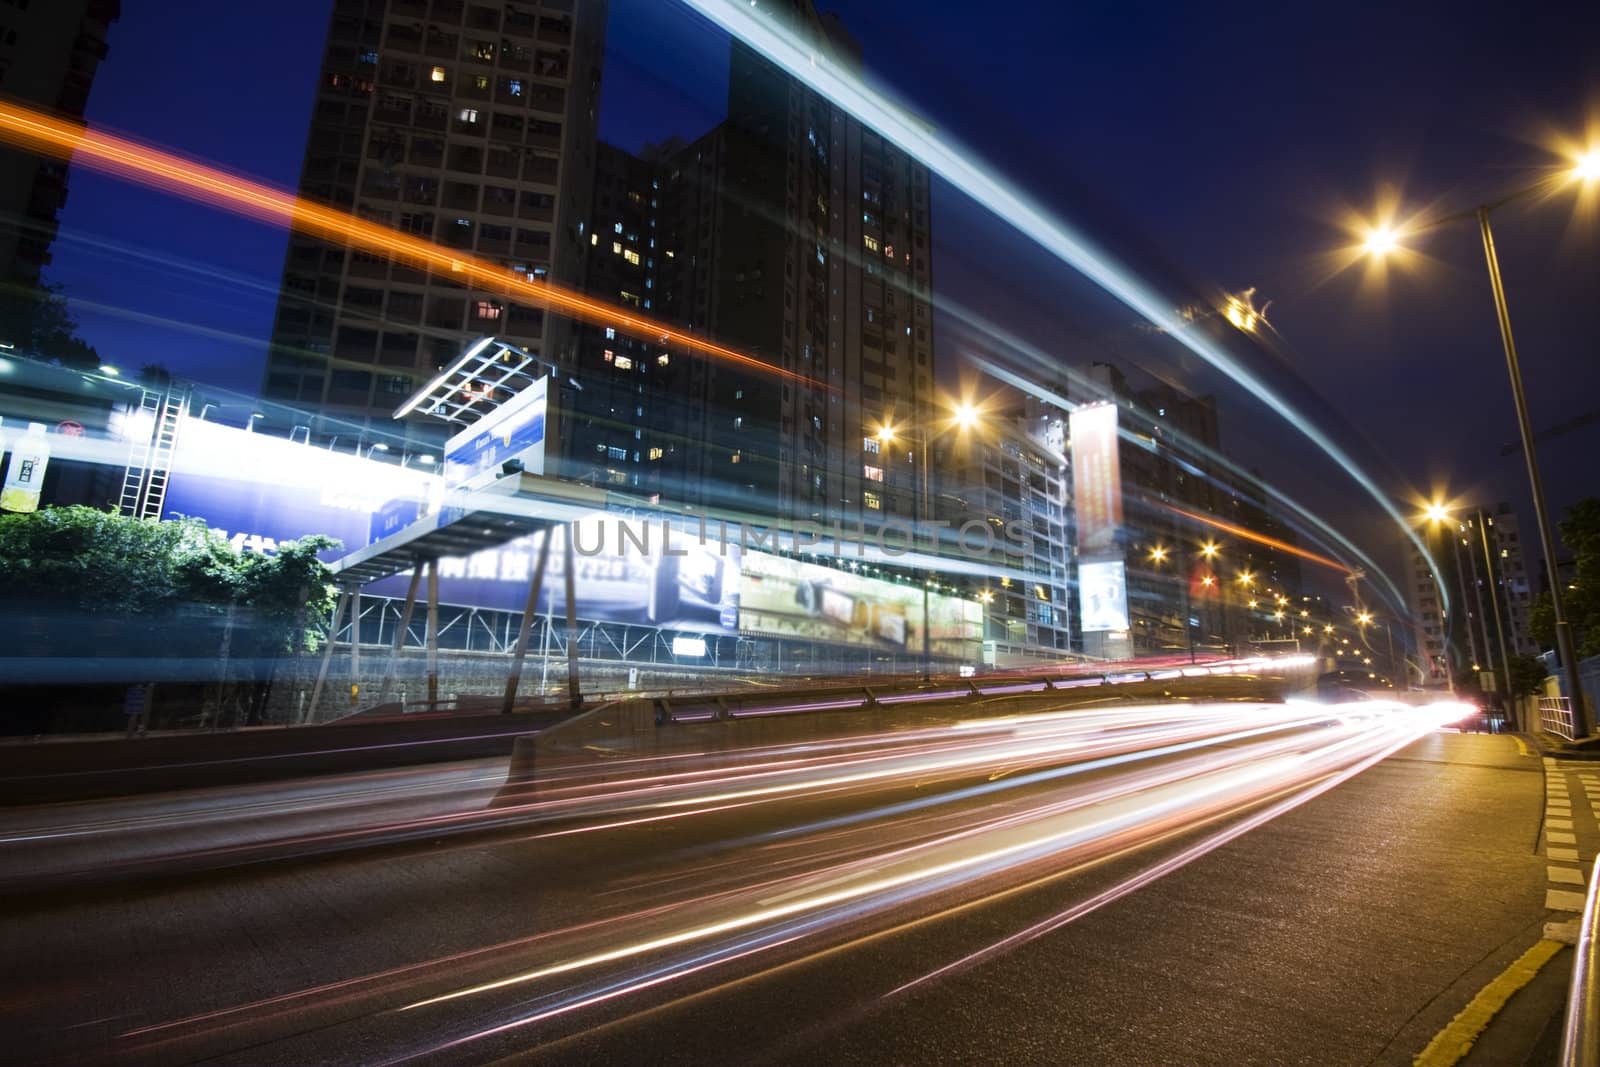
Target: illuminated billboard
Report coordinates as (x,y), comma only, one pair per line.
(512,432)
(623,571)
(790,598)
(1096,478)
(1102,596)
(259,490)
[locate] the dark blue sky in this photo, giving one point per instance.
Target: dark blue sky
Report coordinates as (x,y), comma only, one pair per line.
(1210,148)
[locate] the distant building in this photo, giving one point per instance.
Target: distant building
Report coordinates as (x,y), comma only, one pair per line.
(1013,470)
(469,124)
(49,52)
(1479,554)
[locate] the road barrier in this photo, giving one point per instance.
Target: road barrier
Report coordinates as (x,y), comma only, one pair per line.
(1555,716)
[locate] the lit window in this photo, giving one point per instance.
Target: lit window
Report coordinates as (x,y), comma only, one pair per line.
(631,256)
(616,248)
(611,333)
(655,453)
(662,360)
(514,87)
(870,241)
(738,422)
(594,239)
(872,474)
(888,251)
(873,501)
(619,227)
(468,114)
(870,444)
(610,355)
(488,310)
(624,363)
(437,74)
(734,458)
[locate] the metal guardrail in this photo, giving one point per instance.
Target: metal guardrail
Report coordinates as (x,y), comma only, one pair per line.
(1580,1036)
(1555,716)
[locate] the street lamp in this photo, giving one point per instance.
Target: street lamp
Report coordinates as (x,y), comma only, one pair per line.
(1380,242)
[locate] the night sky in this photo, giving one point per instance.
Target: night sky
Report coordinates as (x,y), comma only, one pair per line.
(1210,150)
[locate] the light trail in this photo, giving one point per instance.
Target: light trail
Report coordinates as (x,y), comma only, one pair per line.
(805,884)
(120,157)
(813,67)
(1258,538)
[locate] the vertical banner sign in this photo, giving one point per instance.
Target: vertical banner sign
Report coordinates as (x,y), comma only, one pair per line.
(1097,479)
(1097,498)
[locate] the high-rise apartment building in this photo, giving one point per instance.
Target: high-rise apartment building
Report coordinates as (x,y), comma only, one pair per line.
(1479,554)
(471,124)
(795,235)
(49,51)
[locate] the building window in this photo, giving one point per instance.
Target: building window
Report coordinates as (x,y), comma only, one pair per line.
(487,309)
(870,241)
(734,458)
(437,74)
(663,359)
(871,473)
(616,248)
(870,445)
(632,257)
(468,115)
(873,501)
(623,363)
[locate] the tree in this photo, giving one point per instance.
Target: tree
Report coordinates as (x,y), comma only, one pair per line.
(1580,533)
(125,592)
(1527,675)
(37,320)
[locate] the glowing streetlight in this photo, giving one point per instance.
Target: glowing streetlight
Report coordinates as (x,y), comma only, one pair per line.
(1209,550)
(967,415)
(886,433)
(986,596)
(1587,166)
(1246,578)
(1364,618)
(1208,581)
(1158,554)
(1381,240)
(1436,512)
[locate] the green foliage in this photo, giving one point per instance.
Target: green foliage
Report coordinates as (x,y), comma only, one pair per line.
(79,561)
(1580,533)
(1527,675)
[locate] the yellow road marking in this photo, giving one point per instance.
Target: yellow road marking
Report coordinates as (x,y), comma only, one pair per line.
(1522,746)
(1455,1040)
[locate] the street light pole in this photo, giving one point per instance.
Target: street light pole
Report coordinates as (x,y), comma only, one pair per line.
(925,516)
(1564,644)
(1494,605)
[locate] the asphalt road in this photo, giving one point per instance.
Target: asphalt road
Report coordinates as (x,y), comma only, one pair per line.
(1347,929)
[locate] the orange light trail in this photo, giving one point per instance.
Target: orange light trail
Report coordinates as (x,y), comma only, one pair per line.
(38,132)
(1260,539)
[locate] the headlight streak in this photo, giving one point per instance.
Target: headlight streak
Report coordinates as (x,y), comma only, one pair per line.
(966,173)
(965,864)
(959,852)
(1229,789)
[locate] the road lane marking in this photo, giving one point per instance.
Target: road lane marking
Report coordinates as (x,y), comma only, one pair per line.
(1563,900)
(1565,875)
(1559,824)
(1455,1040)
(1556,837)
(1562,854)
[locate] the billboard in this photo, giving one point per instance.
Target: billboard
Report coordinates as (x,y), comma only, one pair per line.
(633,572)
(514,431)
(1102,596)
(1097,478)
(790,598)
(258,489)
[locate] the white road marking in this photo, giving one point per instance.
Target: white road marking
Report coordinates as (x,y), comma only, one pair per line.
(1559,824)
(1556,837)
(1563,900)
(1565,875)
(1568,854)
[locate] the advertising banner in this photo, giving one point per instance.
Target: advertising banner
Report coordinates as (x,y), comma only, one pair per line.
(512,431)
(259,490)
(1103,596)
(790,598)
(1096,478)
